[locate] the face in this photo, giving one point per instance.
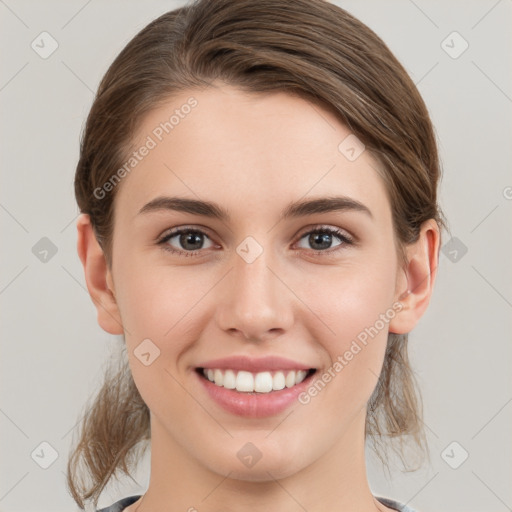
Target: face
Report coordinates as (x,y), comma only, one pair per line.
(263,290)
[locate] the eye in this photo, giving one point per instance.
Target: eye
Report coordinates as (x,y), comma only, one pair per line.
(190,241)
(320,238)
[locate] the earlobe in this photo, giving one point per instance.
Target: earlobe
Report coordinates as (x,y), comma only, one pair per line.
(98,277)
(419,277)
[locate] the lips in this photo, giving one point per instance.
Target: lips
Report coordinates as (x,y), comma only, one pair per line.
(250,364)
(254,387)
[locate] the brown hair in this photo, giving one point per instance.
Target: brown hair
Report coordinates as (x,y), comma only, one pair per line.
(306,47)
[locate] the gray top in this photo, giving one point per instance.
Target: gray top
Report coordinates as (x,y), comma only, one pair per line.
(120,505)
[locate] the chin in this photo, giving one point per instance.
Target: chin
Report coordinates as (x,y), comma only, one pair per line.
(257,461)
(260,472)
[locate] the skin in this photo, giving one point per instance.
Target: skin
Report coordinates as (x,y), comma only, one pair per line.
(254,154)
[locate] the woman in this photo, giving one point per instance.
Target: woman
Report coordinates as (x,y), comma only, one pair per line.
(258,193)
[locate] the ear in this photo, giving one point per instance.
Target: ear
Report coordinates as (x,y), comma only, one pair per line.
(415,282)
(98,277)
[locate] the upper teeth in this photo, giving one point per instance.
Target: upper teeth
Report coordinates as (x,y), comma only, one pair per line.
(262,382)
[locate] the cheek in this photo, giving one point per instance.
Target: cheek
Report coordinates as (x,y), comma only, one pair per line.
(157,311)
(355,306)
(164,310)
(351,298)
(157,304)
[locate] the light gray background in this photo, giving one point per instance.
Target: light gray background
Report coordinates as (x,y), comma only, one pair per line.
(52,348)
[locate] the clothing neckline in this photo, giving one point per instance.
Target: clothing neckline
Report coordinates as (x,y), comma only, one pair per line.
(123,503)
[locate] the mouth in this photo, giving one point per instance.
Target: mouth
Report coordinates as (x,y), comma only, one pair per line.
(254,387)
(254,383)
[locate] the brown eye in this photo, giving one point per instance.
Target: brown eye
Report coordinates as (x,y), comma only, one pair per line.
(321,239)
(188,241)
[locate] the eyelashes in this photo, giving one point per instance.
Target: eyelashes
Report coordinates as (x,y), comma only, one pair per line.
(331,232)
(189,235)
(181,231)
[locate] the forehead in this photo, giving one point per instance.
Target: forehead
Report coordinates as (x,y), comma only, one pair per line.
(250,152)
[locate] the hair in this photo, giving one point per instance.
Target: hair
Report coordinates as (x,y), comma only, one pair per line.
(309,48)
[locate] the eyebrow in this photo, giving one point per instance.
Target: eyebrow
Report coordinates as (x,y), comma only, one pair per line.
(293,210)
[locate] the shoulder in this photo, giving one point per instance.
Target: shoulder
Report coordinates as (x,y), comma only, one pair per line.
(394,505)
(120,505)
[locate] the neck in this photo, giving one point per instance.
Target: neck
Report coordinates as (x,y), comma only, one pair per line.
(336,481)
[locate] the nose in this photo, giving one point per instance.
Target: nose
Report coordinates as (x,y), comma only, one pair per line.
(255,302)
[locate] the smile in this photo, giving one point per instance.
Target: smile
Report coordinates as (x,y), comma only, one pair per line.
(248,382)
